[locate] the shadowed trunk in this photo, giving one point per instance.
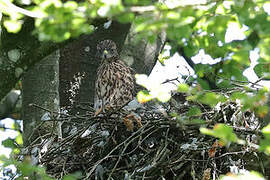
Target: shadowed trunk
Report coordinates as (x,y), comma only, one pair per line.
(40,87)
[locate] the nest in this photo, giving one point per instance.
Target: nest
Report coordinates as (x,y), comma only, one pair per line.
(164,146)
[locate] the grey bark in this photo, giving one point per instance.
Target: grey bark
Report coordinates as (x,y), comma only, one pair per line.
(142,55)
(40,87)
(28,50)
(8,104)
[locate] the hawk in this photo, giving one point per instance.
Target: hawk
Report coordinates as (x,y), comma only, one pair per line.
(115,81)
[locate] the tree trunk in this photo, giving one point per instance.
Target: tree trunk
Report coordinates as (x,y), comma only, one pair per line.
(19,52)
(40,89)
(142,55)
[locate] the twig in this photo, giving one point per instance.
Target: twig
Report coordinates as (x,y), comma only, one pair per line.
(230,153)
(48,110)
(108,155)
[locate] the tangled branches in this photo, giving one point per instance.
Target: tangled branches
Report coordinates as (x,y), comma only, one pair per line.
(164,147)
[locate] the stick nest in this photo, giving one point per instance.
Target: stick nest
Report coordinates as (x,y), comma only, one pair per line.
(166,146)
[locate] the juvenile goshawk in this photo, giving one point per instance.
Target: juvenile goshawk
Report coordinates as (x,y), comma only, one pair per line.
(115,80)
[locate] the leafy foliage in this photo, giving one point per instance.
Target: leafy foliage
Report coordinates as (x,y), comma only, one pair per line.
(23,168)
(224,132)
(265,143)
(195,26)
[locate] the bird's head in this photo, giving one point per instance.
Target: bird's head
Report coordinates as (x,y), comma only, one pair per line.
(107,49)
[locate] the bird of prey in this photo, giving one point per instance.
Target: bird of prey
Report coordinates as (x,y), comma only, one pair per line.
(115,81)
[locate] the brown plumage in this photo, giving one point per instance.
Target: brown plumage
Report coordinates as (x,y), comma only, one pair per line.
(115,80)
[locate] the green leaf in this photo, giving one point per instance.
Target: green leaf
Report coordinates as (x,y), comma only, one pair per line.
(242,57)
(238,95)
(172,15)
(144,96)
(162,59)
(74,176)
(202,69)
(223,132)
(195,121)
(26,168)
(19,139)
(233,70)
(265,146)
(204,84)
(192,48)
(178,33)
(13,26)
(253,39)
(218,26)
(211,98)
(9,143)
(125,18)
(263,70)
(266,131)
(183,88)
(261,111)
(264,46)
(194,111)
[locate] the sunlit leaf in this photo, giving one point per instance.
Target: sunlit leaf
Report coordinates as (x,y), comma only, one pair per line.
(222,131)
(266,131)
(13,26)
(144,96)
(19,139)
(184,88)
(162,59)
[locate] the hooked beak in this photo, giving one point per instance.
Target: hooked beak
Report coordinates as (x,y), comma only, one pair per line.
(105,54)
